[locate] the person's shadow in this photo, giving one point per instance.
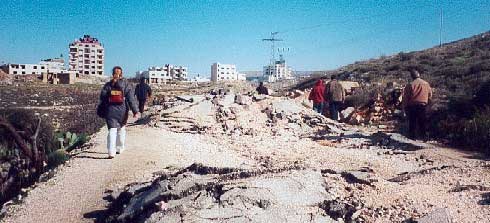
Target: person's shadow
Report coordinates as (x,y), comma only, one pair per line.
(90,155)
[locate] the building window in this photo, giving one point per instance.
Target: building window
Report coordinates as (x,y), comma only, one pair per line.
(23,72)
(15,72)
(35,67)
(33,72)
(23,66)
(93,72)
(42,67)
(86,72)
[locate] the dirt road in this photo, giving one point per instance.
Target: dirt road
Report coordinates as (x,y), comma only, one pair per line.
(76,193)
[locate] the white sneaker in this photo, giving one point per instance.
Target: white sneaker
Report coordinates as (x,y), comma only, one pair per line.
(119,150)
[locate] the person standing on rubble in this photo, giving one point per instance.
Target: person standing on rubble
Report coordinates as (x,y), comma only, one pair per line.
(118,97)
(416,96)
(261,89)
(317,96)
(142,92)
(335,95)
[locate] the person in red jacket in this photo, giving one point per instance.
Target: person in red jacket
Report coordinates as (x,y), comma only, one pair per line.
(316,95)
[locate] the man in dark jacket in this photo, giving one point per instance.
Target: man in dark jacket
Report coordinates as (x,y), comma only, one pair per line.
(335,95)
(142,92)
(317,96)
(118,96)
(261,89)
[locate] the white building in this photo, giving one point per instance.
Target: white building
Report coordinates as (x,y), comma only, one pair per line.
(49,66)
(87,56)
(278,71)
(169,72)
(54,66)
(225,72)
(199,79)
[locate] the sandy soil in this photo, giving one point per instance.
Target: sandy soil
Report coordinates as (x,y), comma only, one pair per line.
(76,193)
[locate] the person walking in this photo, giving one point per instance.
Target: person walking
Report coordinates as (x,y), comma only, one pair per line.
(142,92)
(335,95)
(261,89)
(118,98)
(416,96)
(317,96)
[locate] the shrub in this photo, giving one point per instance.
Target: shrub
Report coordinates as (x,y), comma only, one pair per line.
(482,97)
(476,131)
(361,98)
(26,122)
(405,56)
(57,158)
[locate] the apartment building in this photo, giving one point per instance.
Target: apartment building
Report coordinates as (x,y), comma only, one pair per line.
(166,73)
(278,71)
(225,72)
(48,66)
(87,56)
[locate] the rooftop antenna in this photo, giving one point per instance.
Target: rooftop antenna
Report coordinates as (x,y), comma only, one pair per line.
(273,40)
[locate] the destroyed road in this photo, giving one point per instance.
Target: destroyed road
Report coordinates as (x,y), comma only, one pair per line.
(262,159)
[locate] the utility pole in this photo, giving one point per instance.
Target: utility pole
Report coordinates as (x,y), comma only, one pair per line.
(440,26)
(273,39)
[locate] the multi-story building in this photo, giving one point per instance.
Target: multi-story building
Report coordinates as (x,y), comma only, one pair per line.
(87,56)
(168,72)
(49,66)
(225,72)
(278,71)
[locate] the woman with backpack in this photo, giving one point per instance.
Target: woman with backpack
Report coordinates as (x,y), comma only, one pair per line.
(116,99)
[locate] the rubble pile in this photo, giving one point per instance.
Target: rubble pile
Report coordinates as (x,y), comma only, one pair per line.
(378,111)
(371,176)
(5,79)
(206,194)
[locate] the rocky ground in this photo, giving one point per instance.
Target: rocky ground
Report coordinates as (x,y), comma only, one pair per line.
(237,158)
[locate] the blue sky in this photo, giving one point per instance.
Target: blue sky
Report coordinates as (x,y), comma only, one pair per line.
(320,35)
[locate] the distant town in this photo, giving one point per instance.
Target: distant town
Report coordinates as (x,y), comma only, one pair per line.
(86,61)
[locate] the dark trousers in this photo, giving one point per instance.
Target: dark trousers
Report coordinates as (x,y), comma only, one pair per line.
(417,118)
(141,105)
(333,108)
(318,107)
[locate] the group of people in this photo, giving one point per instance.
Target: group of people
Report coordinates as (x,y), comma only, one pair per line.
(417,96)
(332,94)
(116,99)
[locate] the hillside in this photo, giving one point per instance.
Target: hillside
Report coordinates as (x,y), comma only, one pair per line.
(459,73)
(456,68)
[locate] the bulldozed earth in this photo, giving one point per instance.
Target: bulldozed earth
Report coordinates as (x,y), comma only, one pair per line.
(234,157)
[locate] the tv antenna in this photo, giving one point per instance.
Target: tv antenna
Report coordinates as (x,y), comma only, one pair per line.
(273,40)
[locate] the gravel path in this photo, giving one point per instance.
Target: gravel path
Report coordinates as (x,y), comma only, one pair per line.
(76,193)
